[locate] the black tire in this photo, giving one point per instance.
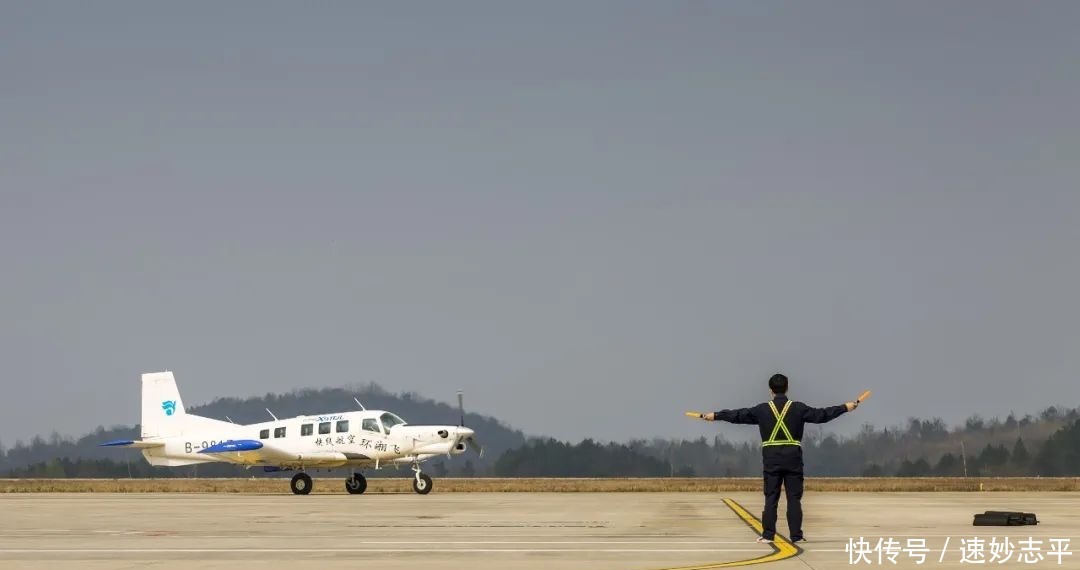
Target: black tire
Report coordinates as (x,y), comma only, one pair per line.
(356,485)
(301,484)
(423,485)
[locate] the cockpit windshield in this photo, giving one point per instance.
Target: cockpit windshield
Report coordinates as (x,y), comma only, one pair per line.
(390,420)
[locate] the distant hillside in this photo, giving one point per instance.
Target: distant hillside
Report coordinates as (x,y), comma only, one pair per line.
(1047,445)
(1027,446)
(494,435)
(1043,445)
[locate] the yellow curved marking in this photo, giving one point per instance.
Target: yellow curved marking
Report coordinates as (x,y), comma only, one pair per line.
(782,547)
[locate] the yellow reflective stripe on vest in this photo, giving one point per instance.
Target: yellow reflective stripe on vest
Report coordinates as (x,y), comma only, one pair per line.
(780,426)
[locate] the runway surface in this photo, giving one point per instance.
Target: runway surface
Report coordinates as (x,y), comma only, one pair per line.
(482,531)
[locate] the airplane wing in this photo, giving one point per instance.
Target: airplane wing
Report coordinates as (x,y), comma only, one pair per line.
(133,444)
(252,452)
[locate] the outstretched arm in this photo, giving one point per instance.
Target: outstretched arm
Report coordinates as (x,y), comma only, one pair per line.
(739,416)
(822,415)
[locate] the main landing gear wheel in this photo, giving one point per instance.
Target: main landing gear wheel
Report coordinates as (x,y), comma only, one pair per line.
(300,484)
(356,485)
(421,484)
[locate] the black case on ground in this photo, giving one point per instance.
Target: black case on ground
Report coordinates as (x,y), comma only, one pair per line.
(1005,518)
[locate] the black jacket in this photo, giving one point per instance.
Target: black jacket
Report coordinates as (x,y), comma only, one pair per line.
(796,419)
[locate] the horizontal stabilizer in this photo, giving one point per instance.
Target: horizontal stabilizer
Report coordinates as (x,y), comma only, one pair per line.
(133,444)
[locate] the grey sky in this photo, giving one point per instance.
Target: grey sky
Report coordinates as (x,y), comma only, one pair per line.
(591,216)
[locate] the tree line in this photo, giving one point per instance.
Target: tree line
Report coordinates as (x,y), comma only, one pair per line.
(1047,445)
(1043,445)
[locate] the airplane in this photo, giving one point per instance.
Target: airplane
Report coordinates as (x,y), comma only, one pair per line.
(366,439)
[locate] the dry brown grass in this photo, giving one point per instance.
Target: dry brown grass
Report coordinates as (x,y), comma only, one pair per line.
(561,485)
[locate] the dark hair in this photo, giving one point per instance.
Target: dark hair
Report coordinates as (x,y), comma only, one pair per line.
(778,384)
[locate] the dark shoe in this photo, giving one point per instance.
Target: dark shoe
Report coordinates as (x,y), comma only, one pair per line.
(800,539)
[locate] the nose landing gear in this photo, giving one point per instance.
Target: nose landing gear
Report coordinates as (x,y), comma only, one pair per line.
(421,483)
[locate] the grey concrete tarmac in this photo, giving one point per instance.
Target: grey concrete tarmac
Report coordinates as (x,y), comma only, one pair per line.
(482,531)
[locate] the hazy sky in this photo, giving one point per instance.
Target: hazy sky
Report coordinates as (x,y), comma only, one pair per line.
(591,216)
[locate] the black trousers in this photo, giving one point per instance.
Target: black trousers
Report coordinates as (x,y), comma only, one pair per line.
(786,472)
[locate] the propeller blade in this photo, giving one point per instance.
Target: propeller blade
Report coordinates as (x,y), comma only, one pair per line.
(476,444)
(461,406)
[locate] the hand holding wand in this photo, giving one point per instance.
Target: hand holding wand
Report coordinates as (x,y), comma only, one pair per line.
(862,398)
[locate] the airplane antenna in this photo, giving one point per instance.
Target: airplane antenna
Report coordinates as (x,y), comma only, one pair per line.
(271,414)
(461,406)
(230,420)
(355,399)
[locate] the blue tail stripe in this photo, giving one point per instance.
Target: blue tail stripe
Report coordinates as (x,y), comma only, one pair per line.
(234,445)
(116,443)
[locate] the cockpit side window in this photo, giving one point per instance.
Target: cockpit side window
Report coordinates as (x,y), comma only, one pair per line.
(390,420)
(370,424)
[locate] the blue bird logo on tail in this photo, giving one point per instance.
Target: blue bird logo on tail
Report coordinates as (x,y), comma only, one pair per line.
(169,406)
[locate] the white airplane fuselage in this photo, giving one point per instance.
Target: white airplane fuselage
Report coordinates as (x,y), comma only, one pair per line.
(361,439)
(367,439)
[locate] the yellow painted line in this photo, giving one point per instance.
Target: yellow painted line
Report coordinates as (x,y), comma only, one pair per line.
(782,547)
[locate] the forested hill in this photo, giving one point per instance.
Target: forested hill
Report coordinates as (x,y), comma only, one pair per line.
(1046,445)
(494,435)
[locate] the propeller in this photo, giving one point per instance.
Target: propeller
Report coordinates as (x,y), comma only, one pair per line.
(471,439)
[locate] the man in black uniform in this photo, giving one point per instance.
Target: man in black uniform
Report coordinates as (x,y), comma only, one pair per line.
(781,424)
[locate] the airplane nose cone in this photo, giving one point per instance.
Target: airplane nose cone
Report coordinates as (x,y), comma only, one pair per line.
(465,432)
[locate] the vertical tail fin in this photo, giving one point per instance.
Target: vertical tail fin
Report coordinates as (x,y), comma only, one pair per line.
(163,413)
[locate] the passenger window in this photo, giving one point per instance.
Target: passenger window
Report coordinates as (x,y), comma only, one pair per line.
(370,424)
(264,434)
(307,429)
(343,426)
(324,428)
(279,432)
